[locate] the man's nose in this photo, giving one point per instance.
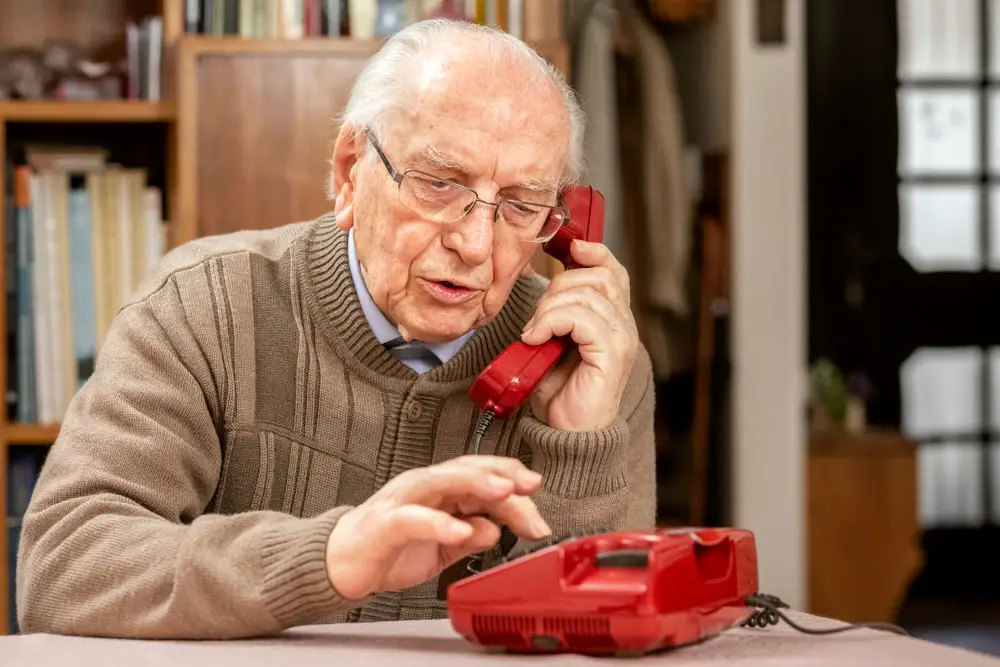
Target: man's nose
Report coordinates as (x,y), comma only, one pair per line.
(472,236)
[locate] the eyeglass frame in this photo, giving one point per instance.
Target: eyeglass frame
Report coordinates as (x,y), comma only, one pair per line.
(398,177)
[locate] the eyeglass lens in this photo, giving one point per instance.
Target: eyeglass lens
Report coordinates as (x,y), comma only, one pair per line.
(448,202)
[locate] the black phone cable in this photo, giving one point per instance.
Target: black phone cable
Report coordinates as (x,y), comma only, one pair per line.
(769,613)
(486,418)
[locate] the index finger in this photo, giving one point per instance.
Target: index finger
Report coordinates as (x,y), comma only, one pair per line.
(525,479)
(588,253)
(489,480)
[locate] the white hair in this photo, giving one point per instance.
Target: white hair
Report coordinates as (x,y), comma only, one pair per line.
(382,86)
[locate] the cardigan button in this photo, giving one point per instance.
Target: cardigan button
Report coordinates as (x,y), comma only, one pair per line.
(414,410)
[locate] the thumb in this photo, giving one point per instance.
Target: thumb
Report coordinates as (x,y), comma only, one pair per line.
(588,253)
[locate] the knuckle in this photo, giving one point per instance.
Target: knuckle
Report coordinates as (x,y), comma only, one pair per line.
(509,465)
(396,519)
(558,282)
(607,275)
(436,474)
(621,273)
(594,293)
(392,490)
(617,293)
(542,308)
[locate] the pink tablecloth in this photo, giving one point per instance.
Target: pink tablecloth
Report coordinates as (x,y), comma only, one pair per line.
(434,644)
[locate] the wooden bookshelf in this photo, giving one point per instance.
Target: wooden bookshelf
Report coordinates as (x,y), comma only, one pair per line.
(225,97)
(29,434)
(110,111)
(98,28)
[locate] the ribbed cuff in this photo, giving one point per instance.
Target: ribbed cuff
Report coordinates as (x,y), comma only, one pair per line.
(297,589)
(578,464)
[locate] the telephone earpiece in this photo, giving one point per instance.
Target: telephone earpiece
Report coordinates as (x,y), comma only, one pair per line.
(508,382)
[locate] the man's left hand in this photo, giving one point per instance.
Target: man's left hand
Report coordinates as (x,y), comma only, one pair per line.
(591,304)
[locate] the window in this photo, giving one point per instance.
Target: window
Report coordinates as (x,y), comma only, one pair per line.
(949,202)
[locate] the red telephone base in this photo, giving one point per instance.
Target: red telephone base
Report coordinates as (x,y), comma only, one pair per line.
(613,593)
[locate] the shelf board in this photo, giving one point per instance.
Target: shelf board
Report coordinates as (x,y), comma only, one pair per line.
(202,45)
(30,434)
(102,111)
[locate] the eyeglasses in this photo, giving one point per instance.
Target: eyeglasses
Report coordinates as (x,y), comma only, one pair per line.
(447,202)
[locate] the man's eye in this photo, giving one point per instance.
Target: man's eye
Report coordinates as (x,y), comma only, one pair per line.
(441,185)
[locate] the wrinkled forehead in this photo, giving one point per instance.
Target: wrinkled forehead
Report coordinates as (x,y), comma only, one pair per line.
(510,124)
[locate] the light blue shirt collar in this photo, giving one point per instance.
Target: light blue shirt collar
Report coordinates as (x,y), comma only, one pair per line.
(385,330)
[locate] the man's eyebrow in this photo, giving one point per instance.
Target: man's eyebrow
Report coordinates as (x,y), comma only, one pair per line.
(536,185)
(437,158)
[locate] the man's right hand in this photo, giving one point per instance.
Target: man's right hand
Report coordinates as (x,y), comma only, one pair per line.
(407,532)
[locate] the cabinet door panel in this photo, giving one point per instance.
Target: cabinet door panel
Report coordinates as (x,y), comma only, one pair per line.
(263,129)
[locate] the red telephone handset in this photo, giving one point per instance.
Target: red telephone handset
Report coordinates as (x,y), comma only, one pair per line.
(507,383)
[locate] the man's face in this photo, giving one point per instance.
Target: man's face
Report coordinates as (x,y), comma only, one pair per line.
(480,126)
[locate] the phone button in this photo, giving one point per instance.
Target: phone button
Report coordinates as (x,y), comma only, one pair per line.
(414,410)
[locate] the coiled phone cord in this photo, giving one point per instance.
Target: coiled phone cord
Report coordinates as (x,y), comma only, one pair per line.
(769,613)
(485,419)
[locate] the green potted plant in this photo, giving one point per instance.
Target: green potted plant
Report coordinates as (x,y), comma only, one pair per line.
(828,394)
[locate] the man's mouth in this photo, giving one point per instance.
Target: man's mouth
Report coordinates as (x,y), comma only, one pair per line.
(449,291)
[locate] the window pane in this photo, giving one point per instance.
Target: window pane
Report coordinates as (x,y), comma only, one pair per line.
(938,132)
(993,252)
(938,39)
(939,227)
(994,10)
(994,464)
(995,391)
(993,106)
(940,391)
(949,484)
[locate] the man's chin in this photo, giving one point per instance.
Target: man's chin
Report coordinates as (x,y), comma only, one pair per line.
(436,332)
(437,323)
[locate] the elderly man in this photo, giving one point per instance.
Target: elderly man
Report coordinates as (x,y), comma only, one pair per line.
(275,433)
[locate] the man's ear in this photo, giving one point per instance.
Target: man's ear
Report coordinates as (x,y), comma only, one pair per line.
(347,152)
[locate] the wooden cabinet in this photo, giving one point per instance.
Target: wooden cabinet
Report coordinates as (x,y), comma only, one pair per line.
(863,524)
(255,126)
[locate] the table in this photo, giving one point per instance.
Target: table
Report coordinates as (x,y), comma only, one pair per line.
(434,643)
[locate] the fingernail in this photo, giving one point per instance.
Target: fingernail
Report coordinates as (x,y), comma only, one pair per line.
(530,324)
(527,332)
(540,528)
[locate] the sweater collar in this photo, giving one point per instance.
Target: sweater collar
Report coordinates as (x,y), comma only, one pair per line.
(322,260)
